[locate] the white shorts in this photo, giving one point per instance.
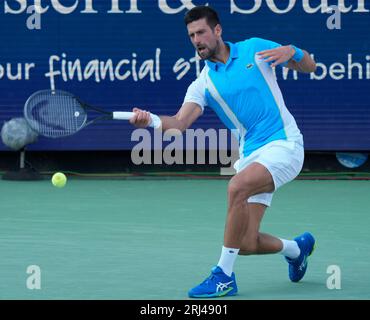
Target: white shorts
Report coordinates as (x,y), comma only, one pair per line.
(282,158)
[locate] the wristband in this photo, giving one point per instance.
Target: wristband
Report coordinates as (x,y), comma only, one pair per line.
(155,122)
(298,55)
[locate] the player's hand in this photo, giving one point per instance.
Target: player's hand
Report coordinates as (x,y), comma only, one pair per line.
(278,55)
(141,118)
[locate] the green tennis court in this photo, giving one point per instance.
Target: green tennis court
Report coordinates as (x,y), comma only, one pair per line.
(156,238)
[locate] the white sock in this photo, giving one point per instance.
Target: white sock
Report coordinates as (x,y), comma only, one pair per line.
(290,249)
(227,259)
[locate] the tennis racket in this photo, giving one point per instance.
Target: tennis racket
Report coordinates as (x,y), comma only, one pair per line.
(56,113)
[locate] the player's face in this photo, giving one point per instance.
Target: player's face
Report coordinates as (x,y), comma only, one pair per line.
(204,39)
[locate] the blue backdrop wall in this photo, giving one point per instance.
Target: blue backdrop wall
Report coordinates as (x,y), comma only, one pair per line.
(119,54)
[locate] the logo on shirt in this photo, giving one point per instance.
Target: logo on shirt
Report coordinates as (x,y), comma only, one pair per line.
(249,66)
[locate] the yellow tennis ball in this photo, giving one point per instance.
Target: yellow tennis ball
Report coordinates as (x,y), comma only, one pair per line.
(59,180)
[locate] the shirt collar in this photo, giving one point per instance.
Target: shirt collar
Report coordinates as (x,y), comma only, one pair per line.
(233,55)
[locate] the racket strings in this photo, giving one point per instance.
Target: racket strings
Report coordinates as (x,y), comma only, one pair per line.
(56,115)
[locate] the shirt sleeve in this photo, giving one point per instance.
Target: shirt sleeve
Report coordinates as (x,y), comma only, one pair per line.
(263,44)
(196,92)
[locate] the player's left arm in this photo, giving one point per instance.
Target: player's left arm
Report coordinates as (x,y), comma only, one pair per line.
(290,57)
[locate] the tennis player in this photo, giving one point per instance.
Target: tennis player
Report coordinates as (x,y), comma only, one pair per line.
(238,83)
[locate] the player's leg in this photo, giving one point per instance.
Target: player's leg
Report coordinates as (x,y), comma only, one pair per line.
(252,180)
(261,173)
(284,160)
(256,242)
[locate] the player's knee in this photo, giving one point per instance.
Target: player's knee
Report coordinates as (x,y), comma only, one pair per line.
(238,189)
(234,190)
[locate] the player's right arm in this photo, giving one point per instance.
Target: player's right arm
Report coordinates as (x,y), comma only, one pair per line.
(192,107)
(183,119)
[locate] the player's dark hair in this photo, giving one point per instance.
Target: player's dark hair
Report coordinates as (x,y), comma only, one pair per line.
(201,12)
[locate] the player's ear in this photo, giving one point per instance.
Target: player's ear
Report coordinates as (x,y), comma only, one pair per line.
(218,30)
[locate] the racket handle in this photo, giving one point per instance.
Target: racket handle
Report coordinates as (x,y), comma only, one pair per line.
(122,115)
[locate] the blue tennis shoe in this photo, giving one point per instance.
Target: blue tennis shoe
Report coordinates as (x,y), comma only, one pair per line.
(218,284)
(298,266)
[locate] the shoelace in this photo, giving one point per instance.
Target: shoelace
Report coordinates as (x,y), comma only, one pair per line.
(209,279)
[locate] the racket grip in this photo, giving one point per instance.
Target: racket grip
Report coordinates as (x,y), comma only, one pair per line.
(123,115)
(120,115)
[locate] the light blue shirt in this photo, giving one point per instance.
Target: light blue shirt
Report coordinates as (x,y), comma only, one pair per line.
(245,95)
